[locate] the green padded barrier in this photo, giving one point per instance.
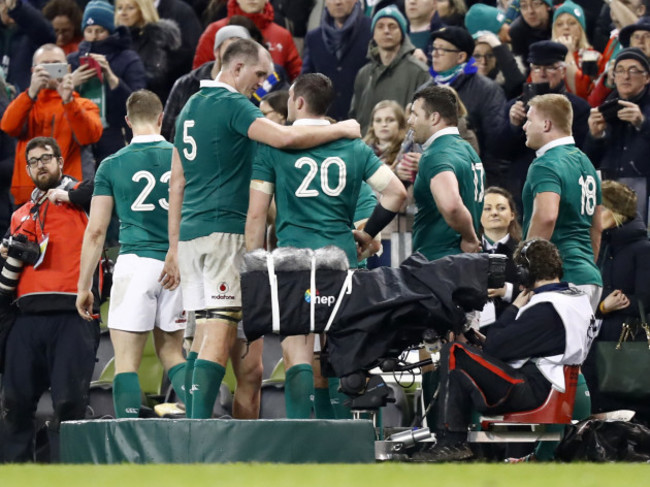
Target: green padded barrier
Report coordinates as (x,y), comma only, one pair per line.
(217,441)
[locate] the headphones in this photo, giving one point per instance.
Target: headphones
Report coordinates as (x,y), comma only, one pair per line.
(523,270)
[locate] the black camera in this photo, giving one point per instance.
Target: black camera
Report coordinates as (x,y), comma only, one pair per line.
(21,248)
(531,90)
(20,251)
(610,109)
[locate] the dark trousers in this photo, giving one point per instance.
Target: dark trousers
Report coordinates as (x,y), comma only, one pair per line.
(55,350)
(471,380)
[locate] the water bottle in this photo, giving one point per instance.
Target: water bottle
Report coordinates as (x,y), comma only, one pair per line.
(408,145)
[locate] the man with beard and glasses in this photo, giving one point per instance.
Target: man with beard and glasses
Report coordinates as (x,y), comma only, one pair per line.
(49,344)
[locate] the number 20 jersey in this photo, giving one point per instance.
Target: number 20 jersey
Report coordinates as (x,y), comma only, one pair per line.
(137,177)
(316,192)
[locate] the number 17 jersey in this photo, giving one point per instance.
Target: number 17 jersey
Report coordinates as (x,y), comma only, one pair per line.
(137,177)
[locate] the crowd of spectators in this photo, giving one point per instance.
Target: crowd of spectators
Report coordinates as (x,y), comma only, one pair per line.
(495,55)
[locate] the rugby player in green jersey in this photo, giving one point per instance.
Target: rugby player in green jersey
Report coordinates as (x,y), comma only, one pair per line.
(216,140)
(561,196)
(135,182)
(316,194)
(448,190)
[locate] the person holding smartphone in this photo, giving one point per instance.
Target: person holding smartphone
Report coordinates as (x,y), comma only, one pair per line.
(50,107)
(619,146)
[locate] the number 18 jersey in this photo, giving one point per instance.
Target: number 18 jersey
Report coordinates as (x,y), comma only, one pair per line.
(567,171)
(137,177)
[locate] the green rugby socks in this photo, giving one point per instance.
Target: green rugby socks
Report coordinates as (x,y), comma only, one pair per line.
(205,387)
(189,373)
(298,391)
(126,395)
(322,405)
(337,398)
(177,377)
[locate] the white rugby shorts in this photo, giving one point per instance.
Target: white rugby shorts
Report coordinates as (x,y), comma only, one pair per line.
(209,269)
(139,302)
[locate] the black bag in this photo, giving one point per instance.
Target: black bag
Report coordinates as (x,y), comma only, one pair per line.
(594,440)
(622,366)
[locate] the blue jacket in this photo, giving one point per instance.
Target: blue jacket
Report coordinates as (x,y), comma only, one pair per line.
(128,67)
(319,56)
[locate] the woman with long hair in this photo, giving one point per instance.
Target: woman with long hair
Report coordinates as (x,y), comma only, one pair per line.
(155,40)
(386,131)
(582,67)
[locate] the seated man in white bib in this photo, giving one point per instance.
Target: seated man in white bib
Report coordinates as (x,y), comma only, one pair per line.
(549,325)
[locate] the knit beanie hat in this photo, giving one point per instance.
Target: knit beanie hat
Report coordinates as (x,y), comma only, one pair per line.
(481,17)
(633,53)
(394,13)
(99,12)
(619,198)
(228,32)
(574,9)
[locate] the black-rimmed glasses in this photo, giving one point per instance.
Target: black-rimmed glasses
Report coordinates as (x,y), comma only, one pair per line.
(44,159)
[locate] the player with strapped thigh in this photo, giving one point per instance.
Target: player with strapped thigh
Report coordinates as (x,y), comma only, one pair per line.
(215,145)
(316,193)
(134,181)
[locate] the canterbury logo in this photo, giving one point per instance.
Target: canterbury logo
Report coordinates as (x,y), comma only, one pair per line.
(195,387)
(132,410)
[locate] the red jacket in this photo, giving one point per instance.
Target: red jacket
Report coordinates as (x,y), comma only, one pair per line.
(53,285)
(73,125)
(279,41)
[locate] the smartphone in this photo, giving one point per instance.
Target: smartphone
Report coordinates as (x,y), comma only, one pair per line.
(531,90)
(610,109)
(92,62)
(56,70)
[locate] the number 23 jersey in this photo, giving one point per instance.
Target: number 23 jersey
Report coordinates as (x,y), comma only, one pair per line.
(137,177)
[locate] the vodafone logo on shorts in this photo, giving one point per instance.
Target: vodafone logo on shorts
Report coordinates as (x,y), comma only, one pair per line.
(222,292)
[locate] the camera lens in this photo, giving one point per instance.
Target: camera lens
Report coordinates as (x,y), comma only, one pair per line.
(10,275)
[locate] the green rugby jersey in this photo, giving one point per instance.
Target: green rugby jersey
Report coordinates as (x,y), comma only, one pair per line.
(137,178)
(365,204)
(567,171)
(217,156)
(316,192)
(432,236)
